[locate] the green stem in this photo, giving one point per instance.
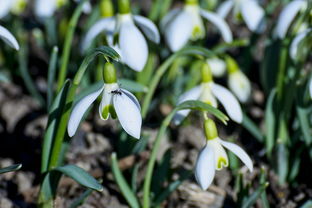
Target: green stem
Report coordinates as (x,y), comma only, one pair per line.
(282,69)
(67,45)
(152,160)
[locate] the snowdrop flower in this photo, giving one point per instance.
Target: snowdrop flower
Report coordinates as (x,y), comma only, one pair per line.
(237,81)
(131,44)
(249,10)
(217,66)
(14,6)
(116,102)
(181,25)
(287,16)
(213,156)
(293,52)
(8,38)
(208,92)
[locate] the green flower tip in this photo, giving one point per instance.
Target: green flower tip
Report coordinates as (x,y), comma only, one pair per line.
(206,72)
(109,73)
(106,8)
(123,6)
(210,128)
(231,64)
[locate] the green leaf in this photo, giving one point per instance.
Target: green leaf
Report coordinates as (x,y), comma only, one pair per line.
(161,173)
(80,176)
(223,47)
(79,201)
(122,183)
(252,128)
(52,127)
(282,162)
(307,204)
(270,122)
(132,86)
(251,200)
(51,75)
(11,168)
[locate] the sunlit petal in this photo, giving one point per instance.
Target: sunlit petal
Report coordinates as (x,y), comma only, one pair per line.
(287,16)
(239,152)
(224,8)
(229,102)
(128,114)
(8,38)
(240,85)
(167,18)
(105,25)
(148,28)
(178,31)
(205,167)
(78,111)
(45,8)
(217,66)
(192,94)
(295,43)
(220,23)
(133,46)
(253,15)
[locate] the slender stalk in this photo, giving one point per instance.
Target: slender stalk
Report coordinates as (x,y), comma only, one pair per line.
(67,45)
(51,76)
(282,69)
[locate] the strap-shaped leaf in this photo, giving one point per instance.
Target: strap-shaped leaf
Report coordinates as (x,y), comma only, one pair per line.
(251,200)
(132,86)
(10,168)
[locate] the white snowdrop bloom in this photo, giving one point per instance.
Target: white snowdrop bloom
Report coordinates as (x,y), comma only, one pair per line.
(210,92)
(251,12)
(240,85)
(131,44)
(8,38)
(213,156)
(217,66)
(293,51)
(181,25)
(287,17)
(14,6)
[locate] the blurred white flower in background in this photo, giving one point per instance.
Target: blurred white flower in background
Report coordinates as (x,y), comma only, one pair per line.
(240,85)
(294,46)
(251,12)
(217,66)
(8,38)
(14,6)
(181,25)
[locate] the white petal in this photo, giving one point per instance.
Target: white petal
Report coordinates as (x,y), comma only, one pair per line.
(148,28)
(167,18)
(5,7)
(287,16)
(105,25)
(253,15)
(107,98)
(239,152)
(128,114)
(133,46)
(224,8)
(87,8)
(217,66)
(229,102)
(192,94)
(295,43)
(220,23)
(8,38)
(132,97)
(205,167)
(178,31)
(240,85)
(45,8)
(80,108)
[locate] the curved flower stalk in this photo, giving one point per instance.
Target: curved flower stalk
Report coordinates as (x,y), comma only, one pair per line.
(209,92)
(249,10)
(131,44)
(181,25)
(213,156)
(238,83)
(288,16)
(116,102)
(46,8)
(14,6)
(293,52)
(8,38)
(217,66)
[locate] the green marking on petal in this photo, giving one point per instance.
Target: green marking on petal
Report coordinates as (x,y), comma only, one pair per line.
(112,112)
(222,162)
(106,111)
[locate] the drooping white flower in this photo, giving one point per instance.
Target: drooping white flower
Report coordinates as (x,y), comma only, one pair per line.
(8,38)
(213,157)
(210,92)
(293,51)
(239,85)
(250,10)
(181,25)
(287,16)
(131,44)
(217,66)
(14,6)
(116,102)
